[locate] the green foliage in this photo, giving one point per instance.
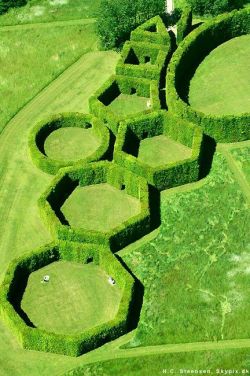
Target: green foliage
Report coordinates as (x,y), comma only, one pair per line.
(117,19)
(5,5)
(152,31)
(184,24)
(185,60)
(43,129)
(33,338)
(100,101)
(143,60)
(169,175)
(214,7)
(100,172)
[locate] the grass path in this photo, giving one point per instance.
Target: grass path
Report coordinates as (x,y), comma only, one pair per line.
(21,227)
(45,25)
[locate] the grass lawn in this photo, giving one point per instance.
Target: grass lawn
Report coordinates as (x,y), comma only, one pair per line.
(160,150)
(50,10)
(39,60)
(128,104)
(196,275)
(99,207)
(76,298)
(71,144)
(242,158)
(221,84)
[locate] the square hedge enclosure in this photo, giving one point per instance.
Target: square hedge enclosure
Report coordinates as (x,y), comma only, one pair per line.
(102,104)
(166,131)
(127,183)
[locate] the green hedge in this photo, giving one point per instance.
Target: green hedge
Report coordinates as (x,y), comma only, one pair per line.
(33,338)
(152,31)
(95,173)
(184,62)
(44,128)
(100,101)
(184,25)
(134,57)
(172,174)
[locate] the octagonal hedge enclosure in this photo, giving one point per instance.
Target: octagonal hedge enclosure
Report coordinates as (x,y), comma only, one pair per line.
(190,53)
(96,173)
(33,338)
(168,175)
(44,128)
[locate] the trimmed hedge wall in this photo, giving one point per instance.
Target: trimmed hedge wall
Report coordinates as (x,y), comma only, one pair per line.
(184,25)
(159,123)
(116,85)
(95,173)
(184,62)
(143,60)
(44,128)
(152,31)
(33,338)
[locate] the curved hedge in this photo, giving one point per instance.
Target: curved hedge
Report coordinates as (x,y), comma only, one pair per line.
(44,128)
(33,338)
(184,25)
(96,173)
(159,123)
(184,62)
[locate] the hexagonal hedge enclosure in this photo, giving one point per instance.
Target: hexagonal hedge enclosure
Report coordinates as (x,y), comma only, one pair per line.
(34,338)
(168,174)
(97,173)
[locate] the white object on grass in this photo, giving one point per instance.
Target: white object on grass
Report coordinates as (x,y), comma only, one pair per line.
(111,281)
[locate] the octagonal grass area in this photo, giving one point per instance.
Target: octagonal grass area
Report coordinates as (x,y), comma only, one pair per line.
(160,150)
(100,207)
(77,297)
(99,203)
(221,84)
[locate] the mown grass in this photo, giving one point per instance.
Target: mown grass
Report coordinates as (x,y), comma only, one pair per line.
(71,144)
(196,271)
(128,104)
(242,158)
(50,10)
(182,363)
(160,150)
(221,84)
(30,59)
(77,297)
(99,207)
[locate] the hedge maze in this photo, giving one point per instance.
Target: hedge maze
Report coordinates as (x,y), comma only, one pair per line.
(120,164)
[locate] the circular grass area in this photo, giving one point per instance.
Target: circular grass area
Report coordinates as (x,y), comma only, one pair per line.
(77,297)
(71,144)
(99,207)
(161,150)
(221,84)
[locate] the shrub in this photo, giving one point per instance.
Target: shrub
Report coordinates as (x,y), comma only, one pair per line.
(143,60)
(33,338)
(5,5)
(44,128)
(159,123)
(184,62)
(152,31)
(184,24)
(116,19)
(100,101)
(214,7)
(101,172)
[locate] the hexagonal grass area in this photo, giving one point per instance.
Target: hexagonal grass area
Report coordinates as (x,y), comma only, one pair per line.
(123,97)
(100,203)
(67,139)
(161,148)
(144,60)
(78,309)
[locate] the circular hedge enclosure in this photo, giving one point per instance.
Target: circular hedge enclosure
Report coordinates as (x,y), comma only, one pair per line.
(45,128)
(188,56)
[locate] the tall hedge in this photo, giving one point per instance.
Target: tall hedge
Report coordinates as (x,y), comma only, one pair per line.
(184,62)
